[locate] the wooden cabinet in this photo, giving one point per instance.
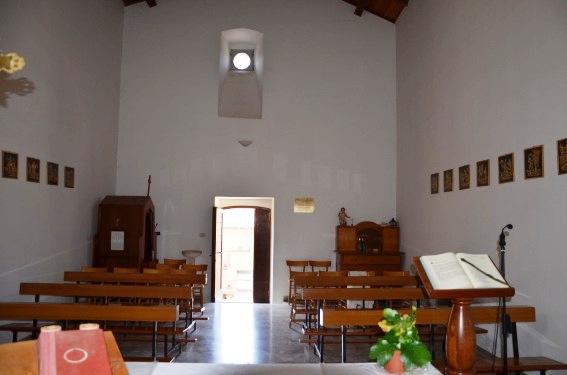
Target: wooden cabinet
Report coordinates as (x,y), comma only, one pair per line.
(345,238)
(377,262)
(390,239)
(367,237)
(126,234)
(368,246)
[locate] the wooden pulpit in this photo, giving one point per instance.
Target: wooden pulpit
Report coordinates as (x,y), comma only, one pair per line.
(460,346)
(126,235)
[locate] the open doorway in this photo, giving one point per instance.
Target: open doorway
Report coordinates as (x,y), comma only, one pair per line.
(242,250)
(236,271)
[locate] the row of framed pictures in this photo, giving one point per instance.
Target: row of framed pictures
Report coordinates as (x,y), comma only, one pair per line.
(33,169)
(533,168)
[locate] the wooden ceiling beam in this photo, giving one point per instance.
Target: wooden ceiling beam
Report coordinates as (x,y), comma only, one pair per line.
(360,7)
(151,3)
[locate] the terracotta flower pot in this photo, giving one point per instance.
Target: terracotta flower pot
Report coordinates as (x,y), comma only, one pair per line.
(395,365)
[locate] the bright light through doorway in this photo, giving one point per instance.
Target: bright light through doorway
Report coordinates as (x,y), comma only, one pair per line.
(237,255)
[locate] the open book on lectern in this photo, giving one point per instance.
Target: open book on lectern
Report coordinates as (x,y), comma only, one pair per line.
(462,271)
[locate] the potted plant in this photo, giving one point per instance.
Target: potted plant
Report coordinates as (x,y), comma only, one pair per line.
(401,340)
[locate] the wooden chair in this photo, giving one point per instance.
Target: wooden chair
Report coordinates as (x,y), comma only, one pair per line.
(294,266)
(178,263)
(319,265)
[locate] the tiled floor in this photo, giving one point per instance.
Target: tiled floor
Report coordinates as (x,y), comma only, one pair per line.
(246,333)
(257,333)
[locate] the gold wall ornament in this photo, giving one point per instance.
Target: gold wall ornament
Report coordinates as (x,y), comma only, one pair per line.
(11,62)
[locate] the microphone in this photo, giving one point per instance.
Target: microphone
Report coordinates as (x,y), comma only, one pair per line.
(502,241)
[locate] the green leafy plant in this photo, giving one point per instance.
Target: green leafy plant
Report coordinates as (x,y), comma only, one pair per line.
(400,334)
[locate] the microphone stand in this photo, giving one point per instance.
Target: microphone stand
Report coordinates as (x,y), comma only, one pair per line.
(504,321)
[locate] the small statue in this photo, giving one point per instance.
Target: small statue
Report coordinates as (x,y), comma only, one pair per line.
(343,217)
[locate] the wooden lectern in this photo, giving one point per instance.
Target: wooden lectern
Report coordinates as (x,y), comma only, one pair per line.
(460,347)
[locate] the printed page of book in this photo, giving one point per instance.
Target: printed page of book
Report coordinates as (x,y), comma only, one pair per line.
(445,272)
(481,271)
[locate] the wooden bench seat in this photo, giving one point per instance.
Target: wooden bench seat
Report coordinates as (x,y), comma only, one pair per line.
(433,317)
(171,279)
(109,293)
(63,312)
(135,278)
(305,313)
(361,281)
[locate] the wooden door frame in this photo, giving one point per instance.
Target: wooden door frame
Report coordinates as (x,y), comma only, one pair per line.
(270,241)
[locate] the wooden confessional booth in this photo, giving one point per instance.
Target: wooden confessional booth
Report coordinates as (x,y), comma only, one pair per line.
(126,235)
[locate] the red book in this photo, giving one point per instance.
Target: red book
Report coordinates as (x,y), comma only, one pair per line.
(74,352)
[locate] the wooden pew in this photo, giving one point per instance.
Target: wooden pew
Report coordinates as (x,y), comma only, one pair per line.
(344,282)
(394,293)
(107,292)
(104,291)
(440,316)
(371,294)
(138,278)
(141,279)
(40,311)
(361,281)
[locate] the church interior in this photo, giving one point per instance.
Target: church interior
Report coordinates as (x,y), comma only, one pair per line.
(438,125)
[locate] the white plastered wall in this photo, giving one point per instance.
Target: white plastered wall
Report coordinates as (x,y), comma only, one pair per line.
(477,80)
(69,116)
(327,129)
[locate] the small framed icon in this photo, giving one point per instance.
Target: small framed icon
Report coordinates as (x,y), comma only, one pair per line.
(435,183)
(533,162)
(483,173)
(506,168)
(464,177)
(9,164)
(52,173)
(562,156)
(32,169)
(448,180)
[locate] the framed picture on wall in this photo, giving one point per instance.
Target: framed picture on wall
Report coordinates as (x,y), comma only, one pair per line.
(483,173)
(464,177)
(9,164)
(32,169)
(533,162)
(435,183)
(562,156)
(69,177)
(52,173)
(448,180)
(506,168)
